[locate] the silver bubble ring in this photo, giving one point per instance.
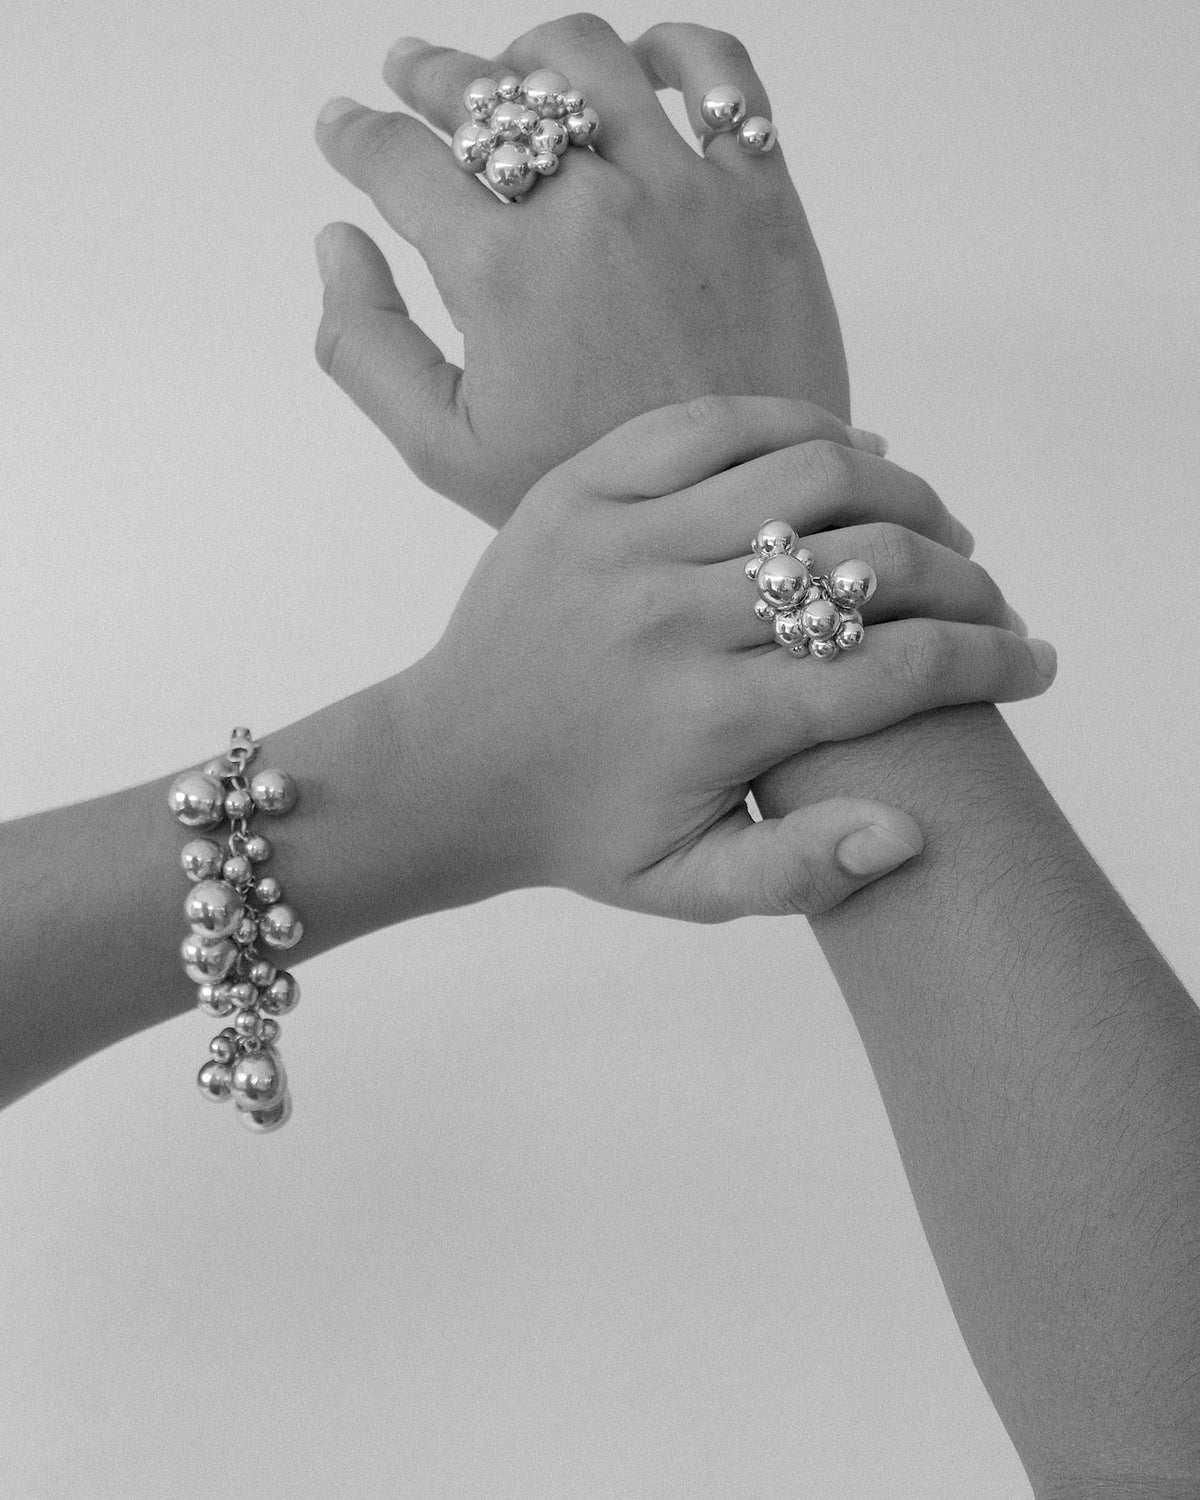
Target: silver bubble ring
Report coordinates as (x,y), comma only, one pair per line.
(723,112)
(813,614)
(518,130)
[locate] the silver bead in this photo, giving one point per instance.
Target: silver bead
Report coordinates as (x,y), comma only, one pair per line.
(481,97)
(224,1046)
(212,908)
(204,960)
(261,1121)
(752,568)
(774,539)
(850,635)
(213,1081)
(802,554)
(281,996)
(197,800)
(543,89)
(820,619)
(217,768)
(273,791)
(508,88)
(246,1023)
(201,859)
(852,582)
(583,127)
(574,102)
(257,849)
(238,803)
(788,629)
(238,871)
(782,581)
(268,891)
(763,611)
(511,121)
(723,108)
(823,650)
(549,136)
(214,1000)
(258,1080)
(246,931)
(757,135)
(800,647)
(243,994)
(545,163)
(471,143)
(281,927)
(510,170)
(268,1031)
(261,973)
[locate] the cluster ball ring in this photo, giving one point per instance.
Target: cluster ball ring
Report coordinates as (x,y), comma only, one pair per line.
(814,614)
(723,111)
(518,131)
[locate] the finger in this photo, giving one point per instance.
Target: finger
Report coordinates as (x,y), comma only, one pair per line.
(408,173)
(814,486)
(634,127)
(916,577)
(387,366)
(807,862)
(694,59)
(432,80)
(678,446)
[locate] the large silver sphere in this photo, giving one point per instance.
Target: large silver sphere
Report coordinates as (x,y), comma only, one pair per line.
(774,539)
(258,849)
(852,582)
(281,996)
(481,97)
(263,1120)
(471,144)
(783,581)
(204,960)
(788,630)
(213,1081)
(273,791)
(258,1080)
(213,908)
(821,620)
(197,800)
(201,859)
(757,135)
(544,89)
(723,108)
(549,136)
(214,1000)
(281,927)
(510,170)
(584,127)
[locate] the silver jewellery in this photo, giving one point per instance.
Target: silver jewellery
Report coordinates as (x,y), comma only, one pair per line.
(723,110)
(231,908)
(815,614)
(518,131)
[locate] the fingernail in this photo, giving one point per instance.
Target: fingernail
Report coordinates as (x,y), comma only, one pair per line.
(872,851)
(335,109)
(324,254)
(403,45)
(869,442)
(1015,621)
(1045,657)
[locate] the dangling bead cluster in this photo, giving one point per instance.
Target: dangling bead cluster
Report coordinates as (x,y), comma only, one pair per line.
(518,131)
(815,614)
(232,907)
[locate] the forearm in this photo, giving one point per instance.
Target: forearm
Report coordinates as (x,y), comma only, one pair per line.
(1040,1065)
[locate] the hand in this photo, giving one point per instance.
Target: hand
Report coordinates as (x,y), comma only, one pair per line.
(604,692)
(640,274)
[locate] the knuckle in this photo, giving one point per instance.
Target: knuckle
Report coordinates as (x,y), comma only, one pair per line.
(991,604)
(580,29)
(715,417)
(829,470)
(727,49)
(898,553)
(927,657)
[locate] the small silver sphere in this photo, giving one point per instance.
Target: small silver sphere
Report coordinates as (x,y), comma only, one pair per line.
(800,647)
(471,144)
(774,539)
(545,163)
(820,619)
(574,101)
(268,1031)
(268,891)
(783,581)
(247,1023)
(204,960)
(213,1081)
(224,1047)
(511,121)
(850,635)
(213,909)
(805,556)
(261,973)
(752,568)
(757,135)
(281,927)
(823,650)
(282,995)
(510,170)
(549,136)
(201,859)
(238,803)
(788,629)
(852,582)
(481,97)
(246,931)
(763,611)
(258,1080)
(257,849)
(197,800)
(273,791)
(262,1121)
(543,89)
(238,871)
(214,999)
(723,108)
(217,768)
(242,994)
(508,88)
(583,127)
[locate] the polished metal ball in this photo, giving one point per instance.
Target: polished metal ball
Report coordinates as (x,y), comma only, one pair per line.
(788,629)
(281,927)
(268,1030)
(763,611)
(775,538)
(549,136)
(852,582)
(197,800)
(805,556)
(574,101)
(823,650)
(542,90)
(261,1121)
(243,994)
(508,88)
(584,126)
(273,791)
(258,1080)
(212,908)
(217,768)
(800,647)
(238,871)
(257,849)
(821,620)
(238,803)
(224,1046)
(281,996)
(850,635)
(214,999)
(204,960)
(201,859)
(246,931)
(481,97)
(470,145)
(261,973)
(545,163)
(247,1023)
(268,891)
(213,1081)
(752,568)
(723,108)
(510,170)
(511,121)
(783,580)
(757,135)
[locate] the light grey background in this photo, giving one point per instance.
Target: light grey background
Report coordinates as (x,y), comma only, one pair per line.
(610,1220)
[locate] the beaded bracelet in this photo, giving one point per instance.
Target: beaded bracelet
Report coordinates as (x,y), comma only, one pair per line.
(230,908)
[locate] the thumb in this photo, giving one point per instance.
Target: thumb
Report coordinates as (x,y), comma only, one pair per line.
(388,367)
(805,863)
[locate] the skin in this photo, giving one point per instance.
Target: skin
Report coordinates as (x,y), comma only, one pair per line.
(1039,1061)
